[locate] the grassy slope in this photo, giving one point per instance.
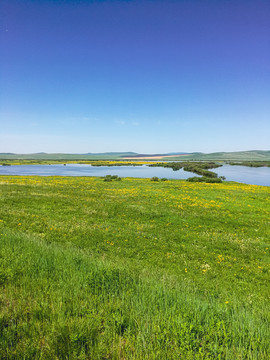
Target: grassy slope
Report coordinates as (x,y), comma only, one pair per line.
(133,269)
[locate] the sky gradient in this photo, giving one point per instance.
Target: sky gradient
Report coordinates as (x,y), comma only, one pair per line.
(144,76)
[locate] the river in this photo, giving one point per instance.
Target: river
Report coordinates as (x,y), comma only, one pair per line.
(243,174)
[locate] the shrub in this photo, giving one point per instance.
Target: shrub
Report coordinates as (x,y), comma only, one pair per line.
(154,178)
(195,179)
(112,177)
(212,180)
(164,179)
(204,179)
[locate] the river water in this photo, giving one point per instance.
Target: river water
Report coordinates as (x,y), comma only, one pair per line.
(243,174)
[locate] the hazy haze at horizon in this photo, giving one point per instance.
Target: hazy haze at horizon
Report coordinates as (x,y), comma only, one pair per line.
(143,76)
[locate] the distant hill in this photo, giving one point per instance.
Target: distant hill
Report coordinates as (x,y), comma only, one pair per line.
(250,155)
(63,156)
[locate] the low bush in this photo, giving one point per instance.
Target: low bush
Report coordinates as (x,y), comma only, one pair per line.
(112,177)
(204,179)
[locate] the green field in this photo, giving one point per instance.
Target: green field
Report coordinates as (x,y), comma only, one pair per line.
(133,269)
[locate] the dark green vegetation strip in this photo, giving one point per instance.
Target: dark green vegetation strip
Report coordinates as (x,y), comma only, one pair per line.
(252,163)
(133,269)
(200,168)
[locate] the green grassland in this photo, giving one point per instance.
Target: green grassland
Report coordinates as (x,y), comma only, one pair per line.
(133,269)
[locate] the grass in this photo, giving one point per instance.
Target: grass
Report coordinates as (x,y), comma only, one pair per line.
(133,269)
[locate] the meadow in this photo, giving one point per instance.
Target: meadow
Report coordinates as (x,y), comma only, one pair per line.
(133,269)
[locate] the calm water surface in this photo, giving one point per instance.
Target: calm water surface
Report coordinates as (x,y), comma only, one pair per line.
(88,170)
(243,174)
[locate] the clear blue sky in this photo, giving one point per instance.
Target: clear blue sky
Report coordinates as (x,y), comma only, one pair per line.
(143,75)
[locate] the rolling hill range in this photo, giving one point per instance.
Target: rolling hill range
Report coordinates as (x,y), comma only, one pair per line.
(252,155)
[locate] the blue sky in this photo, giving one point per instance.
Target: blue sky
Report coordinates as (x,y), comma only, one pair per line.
(145,76)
